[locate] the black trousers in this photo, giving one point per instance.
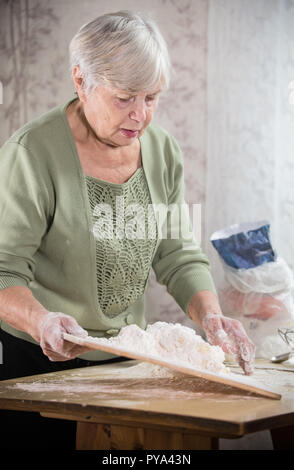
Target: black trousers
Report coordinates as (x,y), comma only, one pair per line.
(28,430)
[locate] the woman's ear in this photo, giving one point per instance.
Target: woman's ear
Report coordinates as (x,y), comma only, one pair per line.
(79,83)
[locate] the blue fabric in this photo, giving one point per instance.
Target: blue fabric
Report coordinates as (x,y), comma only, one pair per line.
(246,250)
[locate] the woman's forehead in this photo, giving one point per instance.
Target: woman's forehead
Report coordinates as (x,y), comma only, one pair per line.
(150,91)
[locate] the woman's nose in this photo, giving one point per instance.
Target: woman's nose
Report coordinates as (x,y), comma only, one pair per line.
(138,112)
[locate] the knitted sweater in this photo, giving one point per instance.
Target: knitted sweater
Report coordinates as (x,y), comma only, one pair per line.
(47,242)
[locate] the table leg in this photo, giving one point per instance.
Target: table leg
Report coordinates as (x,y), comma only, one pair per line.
(92,436)
(283,438)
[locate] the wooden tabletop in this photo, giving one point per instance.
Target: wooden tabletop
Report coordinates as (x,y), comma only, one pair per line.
(117,394)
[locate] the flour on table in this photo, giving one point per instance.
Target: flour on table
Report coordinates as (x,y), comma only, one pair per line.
(170,342)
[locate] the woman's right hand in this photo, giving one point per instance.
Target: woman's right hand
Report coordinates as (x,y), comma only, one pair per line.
(51,328)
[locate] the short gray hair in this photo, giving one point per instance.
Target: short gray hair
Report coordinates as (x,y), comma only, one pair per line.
(123,50)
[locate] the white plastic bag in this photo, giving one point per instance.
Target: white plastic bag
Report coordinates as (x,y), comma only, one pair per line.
(261,296)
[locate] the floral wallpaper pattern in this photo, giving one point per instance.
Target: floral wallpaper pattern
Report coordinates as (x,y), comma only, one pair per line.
(25,29)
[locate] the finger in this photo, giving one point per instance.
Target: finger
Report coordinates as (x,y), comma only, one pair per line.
(246,351)
(246,364)
(53,356)
(52,342)
(78,350)
(237,333)
(213,329)
(230,335)
(66,355)
(72,327)
(216,334)
(248,367)
(229,348)
(68,350)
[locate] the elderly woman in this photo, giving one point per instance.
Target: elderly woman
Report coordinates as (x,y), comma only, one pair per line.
(63,266)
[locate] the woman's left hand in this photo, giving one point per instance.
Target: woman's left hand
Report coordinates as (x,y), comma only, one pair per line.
(51,328)
(230,335)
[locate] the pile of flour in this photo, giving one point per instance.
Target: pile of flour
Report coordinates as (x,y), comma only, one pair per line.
(171,342)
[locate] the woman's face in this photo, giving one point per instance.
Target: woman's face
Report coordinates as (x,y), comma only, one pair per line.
(117,117)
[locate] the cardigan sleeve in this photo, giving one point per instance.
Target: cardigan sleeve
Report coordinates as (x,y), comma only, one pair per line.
(179,262)
(24,213)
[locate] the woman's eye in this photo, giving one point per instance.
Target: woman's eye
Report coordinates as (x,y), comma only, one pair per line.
(126,100)
(149,99)
(123,102)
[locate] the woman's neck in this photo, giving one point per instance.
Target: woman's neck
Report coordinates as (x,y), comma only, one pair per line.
(86,138)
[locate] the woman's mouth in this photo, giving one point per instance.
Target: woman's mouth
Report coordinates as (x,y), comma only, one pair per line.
(129,133)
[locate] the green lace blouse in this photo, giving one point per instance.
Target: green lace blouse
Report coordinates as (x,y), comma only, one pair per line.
(123,258)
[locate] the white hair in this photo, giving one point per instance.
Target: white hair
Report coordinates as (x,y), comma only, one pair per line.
(122,50)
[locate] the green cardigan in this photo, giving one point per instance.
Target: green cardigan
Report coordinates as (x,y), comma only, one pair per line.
(46,239)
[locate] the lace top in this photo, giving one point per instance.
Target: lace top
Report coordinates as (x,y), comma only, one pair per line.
(126,236)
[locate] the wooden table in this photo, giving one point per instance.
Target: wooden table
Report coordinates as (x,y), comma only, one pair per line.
(116,409)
